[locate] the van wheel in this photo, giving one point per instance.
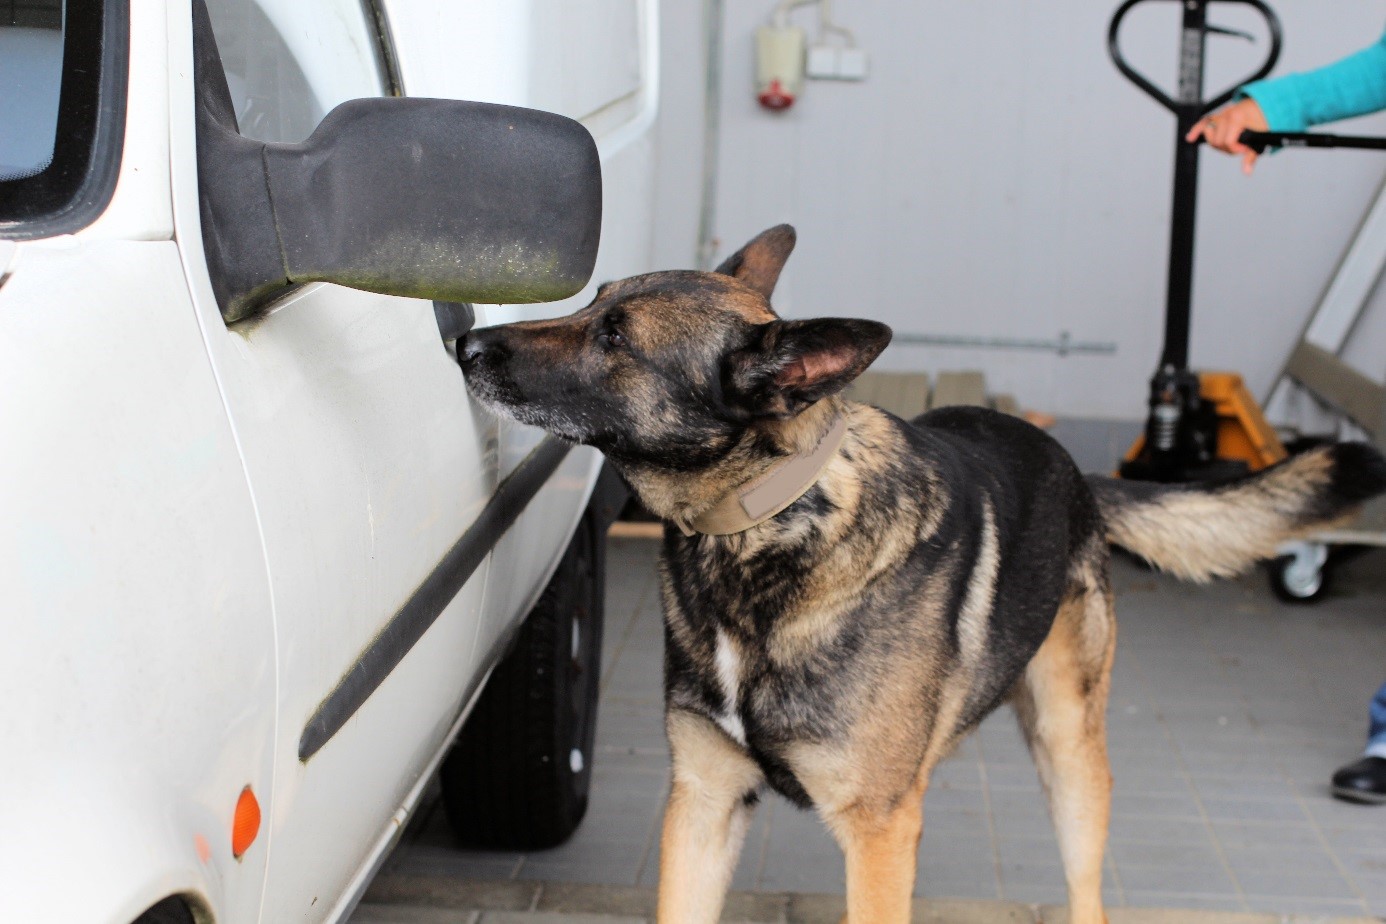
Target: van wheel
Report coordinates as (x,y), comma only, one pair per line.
(518,776)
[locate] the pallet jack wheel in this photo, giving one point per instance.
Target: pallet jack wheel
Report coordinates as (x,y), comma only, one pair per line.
(1302,575)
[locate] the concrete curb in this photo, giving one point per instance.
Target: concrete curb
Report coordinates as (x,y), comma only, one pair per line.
(404,899)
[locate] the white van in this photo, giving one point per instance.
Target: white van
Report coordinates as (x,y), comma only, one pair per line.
(259,552)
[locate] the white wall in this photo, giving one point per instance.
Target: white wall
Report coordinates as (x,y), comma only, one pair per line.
(995,176)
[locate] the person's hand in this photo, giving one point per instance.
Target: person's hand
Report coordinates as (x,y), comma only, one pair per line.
(1223,128)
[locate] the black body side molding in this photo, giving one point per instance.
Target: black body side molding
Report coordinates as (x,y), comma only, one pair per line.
(432,596)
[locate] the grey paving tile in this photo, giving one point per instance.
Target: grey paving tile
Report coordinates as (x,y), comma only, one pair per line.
(1045,871)
(801,835)
(410,914)
(1233,835)
(1281,905)
(930,884)
(1335,813)
(1154,805)
(809,873)
(451,892)
(1028,852)
(1135,762)
(424,860)
(1184,901)
(1144,780)
(1019,802)
(956,773)
(579,898)
(1313,765)
(1364,866)
(1164,854)
(1351,840)
(1035,893)
(1204,880)
(1244,760)
(1231,787)
(964,826)
(1152,830)
(555,917)
(1254,809)
(964,877)
(1247,863)
(1311,882)
(1012,826)
(946,799)
(616,868)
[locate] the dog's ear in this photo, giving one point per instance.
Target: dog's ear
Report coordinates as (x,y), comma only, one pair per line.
(758,264)
(791,364)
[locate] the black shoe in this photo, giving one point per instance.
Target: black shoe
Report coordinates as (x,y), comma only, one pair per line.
(1364,781)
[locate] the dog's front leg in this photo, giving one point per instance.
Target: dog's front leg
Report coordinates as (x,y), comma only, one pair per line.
(881,845)
(705,821)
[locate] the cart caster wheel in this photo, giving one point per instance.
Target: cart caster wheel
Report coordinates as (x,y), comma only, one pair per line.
(1302,574)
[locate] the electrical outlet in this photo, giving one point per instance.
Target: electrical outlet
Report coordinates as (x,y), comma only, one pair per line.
(822,62)
(851,64)
(833,62)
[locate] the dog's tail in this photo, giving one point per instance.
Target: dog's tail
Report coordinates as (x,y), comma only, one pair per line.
(1201,532)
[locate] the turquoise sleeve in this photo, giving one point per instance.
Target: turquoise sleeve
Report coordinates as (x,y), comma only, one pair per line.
(1351,87)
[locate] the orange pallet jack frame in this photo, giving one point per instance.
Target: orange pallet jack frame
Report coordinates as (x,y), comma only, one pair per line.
(1243,435)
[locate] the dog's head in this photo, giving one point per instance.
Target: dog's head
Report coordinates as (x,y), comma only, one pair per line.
(671,369)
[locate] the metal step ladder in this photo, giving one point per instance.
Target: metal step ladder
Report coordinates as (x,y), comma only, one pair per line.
(1315,362)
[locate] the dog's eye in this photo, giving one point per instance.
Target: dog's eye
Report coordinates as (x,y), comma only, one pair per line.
(612,339)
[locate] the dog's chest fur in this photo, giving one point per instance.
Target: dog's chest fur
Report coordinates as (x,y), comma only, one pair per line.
(895,592)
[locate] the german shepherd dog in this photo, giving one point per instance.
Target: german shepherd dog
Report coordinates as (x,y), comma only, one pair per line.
(903,580)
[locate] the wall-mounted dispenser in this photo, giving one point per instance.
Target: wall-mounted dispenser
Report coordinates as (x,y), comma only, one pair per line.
(783,55)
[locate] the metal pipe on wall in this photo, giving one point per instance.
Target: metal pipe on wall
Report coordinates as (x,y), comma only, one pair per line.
(712,124)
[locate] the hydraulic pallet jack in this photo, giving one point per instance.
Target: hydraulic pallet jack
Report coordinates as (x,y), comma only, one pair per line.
(1206,425)
(1202,425)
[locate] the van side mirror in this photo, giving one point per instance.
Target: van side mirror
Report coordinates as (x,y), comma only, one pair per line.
(426,198)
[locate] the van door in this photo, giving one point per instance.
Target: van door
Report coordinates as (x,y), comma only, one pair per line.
(366,466)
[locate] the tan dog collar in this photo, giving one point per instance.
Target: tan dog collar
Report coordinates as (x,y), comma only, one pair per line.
(766,495)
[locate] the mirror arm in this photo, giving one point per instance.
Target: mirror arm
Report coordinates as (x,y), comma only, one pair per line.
(244,258)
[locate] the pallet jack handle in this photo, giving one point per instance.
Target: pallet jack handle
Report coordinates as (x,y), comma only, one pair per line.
(1188,107)
(1259,141)
(1196,28)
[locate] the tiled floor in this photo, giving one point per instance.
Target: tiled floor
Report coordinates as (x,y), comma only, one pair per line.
(1229,712)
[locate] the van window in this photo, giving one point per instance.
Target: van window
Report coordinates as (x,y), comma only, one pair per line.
(288,64)
(31,71)
(62,112)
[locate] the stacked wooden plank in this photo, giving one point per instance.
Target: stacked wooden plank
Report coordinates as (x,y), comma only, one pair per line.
(907,394)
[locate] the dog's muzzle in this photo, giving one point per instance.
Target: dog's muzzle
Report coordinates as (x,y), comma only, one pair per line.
(482,345)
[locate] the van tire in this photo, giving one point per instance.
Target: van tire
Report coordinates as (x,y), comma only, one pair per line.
(171,910)
(519,775)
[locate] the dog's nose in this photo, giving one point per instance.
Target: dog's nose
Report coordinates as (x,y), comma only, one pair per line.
(480,342)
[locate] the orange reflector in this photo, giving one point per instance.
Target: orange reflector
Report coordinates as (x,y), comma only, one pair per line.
(246,824)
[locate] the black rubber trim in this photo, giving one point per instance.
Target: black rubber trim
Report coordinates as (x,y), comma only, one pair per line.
(432,596)
(386,59)
(77,186)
